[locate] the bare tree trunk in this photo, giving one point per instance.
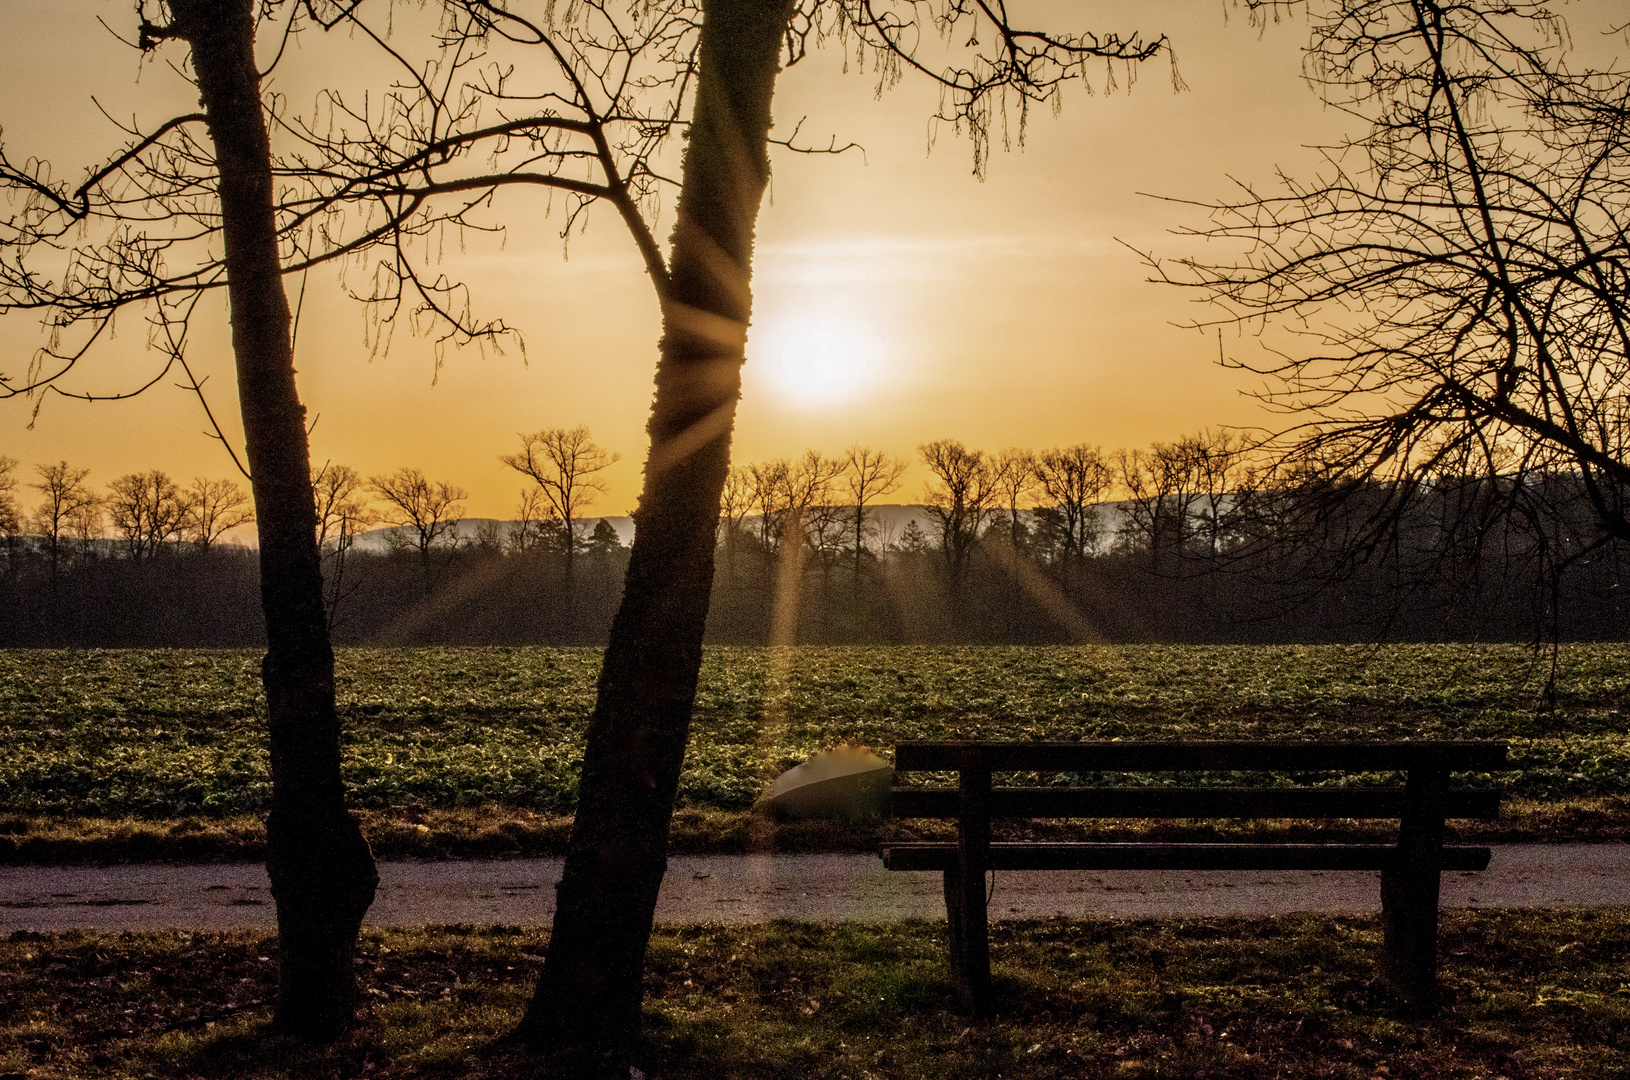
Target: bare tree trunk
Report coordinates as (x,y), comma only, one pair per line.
(321,870)
(572,618)
(570,538)
(587,1005)
(860,540)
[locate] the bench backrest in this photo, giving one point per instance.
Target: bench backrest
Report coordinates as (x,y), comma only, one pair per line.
(1427,763)
(1473,755)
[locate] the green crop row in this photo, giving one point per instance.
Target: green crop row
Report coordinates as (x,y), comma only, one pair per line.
(173,732)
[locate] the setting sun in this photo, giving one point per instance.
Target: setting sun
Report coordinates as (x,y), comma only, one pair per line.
(815,361)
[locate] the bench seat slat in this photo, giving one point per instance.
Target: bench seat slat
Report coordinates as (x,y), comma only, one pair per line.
(925,802)
(1024,856)
(1227,756)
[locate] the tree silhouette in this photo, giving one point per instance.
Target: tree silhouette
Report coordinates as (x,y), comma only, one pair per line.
(590,107)
(961,499)
(771,493)
(563,464)
(343,510)
(65,497)
(429,510)
(1226,474)
(871,474)
(1162,486)
(809,524)
(1074,479)
(185,210)
(1016,483)
(735,507)
(1454,282)
(147,510)
(11,514)
(343,514)
(603,541)
(534,527)
(211,508)
(588,999)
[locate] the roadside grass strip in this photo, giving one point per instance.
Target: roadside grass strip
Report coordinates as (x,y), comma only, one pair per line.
(417,832)
(1534,994)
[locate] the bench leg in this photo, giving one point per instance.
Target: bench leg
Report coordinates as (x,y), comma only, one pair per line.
(1409,936)
(954,930)
(1409,895)
(969,934)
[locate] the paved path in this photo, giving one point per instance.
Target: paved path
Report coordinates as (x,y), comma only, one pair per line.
(755,888)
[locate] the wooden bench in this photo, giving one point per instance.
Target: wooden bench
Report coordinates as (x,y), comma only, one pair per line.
(1410,867)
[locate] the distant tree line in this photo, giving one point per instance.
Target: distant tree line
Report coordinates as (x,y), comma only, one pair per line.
(147,514)
(142,562)
(1200,539)
(1206,538)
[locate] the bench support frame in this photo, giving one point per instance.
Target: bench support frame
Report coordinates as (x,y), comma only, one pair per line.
(1410,872)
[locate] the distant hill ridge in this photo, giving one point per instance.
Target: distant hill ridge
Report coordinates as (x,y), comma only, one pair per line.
(891,520)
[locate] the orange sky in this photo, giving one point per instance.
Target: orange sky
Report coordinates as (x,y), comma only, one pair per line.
(1001,312)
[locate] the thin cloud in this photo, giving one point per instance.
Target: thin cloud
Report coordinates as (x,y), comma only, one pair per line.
(901,259)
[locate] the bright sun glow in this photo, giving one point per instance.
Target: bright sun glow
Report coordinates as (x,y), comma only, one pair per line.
(815,361)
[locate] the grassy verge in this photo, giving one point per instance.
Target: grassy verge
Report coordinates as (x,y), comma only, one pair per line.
(1527,995)
(507,832)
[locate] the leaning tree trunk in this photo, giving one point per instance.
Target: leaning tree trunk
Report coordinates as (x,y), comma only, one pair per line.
(587,1006)
(321,870)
